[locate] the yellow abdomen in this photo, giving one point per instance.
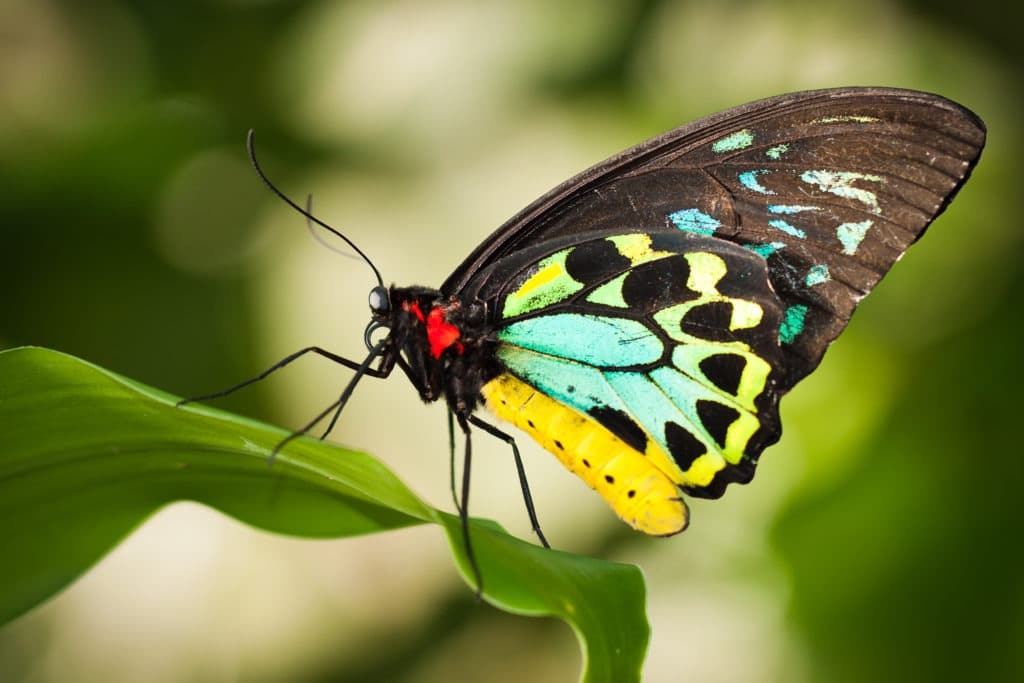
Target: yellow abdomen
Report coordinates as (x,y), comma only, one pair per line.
(639,493)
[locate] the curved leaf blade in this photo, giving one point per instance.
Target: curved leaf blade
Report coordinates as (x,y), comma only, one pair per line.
(534,581)
(86,456)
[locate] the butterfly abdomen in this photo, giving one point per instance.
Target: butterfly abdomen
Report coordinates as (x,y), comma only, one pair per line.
(639,493)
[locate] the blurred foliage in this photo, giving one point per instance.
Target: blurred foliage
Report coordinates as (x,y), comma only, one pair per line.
(881,537)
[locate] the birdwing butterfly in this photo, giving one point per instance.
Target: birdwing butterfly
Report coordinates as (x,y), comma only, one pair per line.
(642,320)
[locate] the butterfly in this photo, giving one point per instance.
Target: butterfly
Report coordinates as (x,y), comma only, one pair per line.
(642,320)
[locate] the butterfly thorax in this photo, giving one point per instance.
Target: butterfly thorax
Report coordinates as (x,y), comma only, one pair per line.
(443,345)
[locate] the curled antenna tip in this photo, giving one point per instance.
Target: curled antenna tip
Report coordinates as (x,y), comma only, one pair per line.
(250,144)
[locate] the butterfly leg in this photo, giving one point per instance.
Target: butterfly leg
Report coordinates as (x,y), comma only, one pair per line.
(464,508)
(451,460)
(523,483)
(337,406)
(379,349)
(352,365)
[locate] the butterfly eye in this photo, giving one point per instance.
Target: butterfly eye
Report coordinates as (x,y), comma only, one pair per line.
(379,303)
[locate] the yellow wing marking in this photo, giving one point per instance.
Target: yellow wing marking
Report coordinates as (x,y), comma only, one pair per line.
(640,494)
(703,469)
(542,277)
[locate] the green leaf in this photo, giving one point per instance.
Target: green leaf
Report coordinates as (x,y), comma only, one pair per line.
(86,456)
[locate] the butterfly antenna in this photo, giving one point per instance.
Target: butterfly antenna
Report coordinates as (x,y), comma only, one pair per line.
(318,237)
(250,145)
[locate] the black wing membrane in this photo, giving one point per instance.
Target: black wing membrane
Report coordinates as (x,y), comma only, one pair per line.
(830,187)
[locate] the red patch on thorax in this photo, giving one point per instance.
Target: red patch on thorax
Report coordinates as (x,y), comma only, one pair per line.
(440,333)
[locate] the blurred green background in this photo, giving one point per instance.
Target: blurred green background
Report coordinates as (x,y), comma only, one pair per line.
(882,539)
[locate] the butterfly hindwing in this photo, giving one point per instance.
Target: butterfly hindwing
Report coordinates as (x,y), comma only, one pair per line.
(666,340)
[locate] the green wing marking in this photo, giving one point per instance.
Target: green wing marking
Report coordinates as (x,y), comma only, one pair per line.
(547,285)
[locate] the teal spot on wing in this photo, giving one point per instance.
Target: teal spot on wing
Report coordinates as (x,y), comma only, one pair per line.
(777,151)
(789,209)
(817,275)
(581,386)
(749,180)
(653,408)
(593,339)
(840,183)
(785,227)
(852,234)
(741,139)
(682,390)
(695,221)
(765,250)
(684,393)
(792,323)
